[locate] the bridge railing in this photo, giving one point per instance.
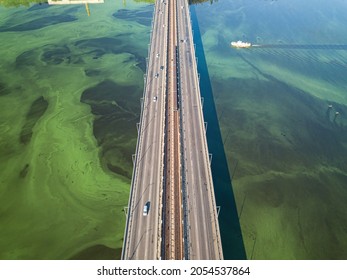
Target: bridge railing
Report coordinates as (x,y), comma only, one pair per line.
(163,135)
(182,148)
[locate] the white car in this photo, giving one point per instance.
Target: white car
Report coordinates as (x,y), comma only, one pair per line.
(146,208)
(155,99)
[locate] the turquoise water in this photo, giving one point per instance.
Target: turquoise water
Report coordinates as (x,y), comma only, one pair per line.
(281,108)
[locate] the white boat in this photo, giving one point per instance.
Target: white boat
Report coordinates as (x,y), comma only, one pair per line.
(240,44)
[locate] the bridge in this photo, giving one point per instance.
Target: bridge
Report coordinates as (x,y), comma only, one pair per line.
(172,212)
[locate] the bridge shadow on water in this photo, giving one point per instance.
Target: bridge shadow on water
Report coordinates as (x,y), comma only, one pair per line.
(233,246)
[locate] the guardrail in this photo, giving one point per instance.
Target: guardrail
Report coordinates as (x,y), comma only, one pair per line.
(183,166)
(160,201)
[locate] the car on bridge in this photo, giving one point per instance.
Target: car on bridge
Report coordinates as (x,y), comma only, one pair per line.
(146,208)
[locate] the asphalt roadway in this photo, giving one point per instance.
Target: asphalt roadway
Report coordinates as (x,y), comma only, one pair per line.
(142,239)
(204,237)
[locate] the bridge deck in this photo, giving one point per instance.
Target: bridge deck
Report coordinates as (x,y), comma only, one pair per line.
(195,209)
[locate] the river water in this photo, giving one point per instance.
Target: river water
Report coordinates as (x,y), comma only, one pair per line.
(70,86)
(281,110)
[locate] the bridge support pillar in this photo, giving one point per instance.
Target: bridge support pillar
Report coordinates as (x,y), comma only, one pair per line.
(210,158)
(202,102)
(205,126)
(133,158)
(218,210)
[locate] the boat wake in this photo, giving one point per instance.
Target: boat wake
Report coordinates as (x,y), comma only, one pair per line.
(302,46)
